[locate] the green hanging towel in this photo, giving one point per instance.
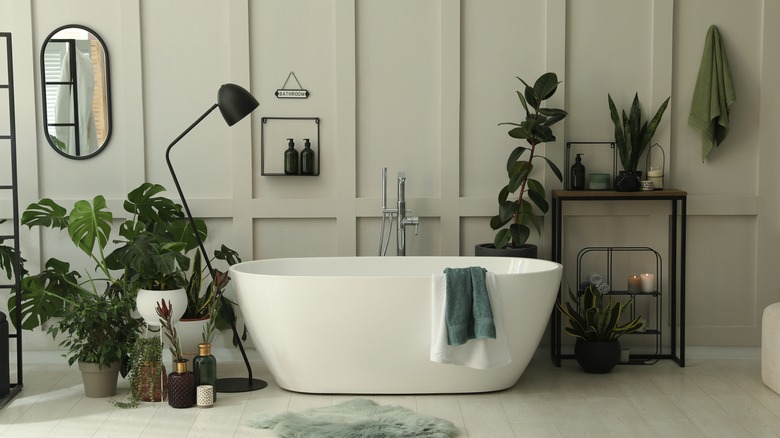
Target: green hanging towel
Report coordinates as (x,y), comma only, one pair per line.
(713,95)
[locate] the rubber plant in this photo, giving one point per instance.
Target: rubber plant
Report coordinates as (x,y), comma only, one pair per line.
(596,318)
(632,136)
(536,129)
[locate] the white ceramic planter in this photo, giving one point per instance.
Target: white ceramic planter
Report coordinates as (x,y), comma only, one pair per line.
(146,303)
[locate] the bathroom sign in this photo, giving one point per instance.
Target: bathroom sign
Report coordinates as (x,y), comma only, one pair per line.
(292,93)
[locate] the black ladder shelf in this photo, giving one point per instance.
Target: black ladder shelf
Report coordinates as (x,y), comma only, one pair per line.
(8,151)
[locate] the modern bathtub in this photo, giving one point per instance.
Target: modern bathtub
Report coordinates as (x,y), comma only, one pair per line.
(361,325)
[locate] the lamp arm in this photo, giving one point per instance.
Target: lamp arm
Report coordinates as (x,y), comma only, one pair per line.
(181,194)
(195,230)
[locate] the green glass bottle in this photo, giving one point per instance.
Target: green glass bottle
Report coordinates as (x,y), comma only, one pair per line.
(290,159)
(307,158)
(205,367)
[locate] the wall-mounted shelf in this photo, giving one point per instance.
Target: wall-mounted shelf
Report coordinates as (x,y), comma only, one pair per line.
(274,132)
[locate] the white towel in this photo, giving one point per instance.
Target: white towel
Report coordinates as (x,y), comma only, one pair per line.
(476,353)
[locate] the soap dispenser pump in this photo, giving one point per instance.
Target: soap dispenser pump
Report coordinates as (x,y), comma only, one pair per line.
(578,174)
(307,158)
(290,158)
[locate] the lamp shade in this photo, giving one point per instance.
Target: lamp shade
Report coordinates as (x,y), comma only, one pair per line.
(235,103)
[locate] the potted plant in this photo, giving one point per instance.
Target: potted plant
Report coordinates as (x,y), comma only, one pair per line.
(518,212)
(597,324)
(181,383)
(99,331)
(631,138)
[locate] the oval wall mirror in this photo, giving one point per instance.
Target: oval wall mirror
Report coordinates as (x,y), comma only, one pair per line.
(76,92)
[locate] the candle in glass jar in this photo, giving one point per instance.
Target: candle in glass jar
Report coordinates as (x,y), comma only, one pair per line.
(648,282)
(656,176)
(634,284)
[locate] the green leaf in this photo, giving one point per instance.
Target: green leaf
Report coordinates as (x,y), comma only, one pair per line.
(553,167)
(545,86)
(496,222)
(503,194)
(90,224)
(539,200)
(519,233)
(507,210)
(554,115)
(519,132)
(502,238)
(514,156)
(524,103)
(518,174)
(45,213)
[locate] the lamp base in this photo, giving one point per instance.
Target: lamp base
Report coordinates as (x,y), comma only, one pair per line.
(240,384)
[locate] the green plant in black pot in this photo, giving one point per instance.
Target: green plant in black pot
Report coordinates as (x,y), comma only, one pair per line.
(632,136)
(536,129)
(597,322)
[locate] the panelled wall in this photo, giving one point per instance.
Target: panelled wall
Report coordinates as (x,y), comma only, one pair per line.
(420,87)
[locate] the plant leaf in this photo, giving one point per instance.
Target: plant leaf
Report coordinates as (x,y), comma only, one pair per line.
(90,224)
(45,213)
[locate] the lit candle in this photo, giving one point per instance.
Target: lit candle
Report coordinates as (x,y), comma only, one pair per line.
(648,282)
(634,284)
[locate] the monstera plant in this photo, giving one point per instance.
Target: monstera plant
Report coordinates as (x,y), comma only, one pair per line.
(516,211)
(155,223)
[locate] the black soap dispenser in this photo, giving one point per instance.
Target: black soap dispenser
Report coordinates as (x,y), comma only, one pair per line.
(577,174)
(307,158)
(290,158)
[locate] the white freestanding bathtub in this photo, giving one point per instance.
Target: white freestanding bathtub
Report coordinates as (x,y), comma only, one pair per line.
(361,325)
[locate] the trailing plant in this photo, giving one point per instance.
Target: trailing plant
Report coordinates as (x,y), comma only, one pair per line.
(596,318)
(535,130)
(145,358)
(631,135)
(98,329)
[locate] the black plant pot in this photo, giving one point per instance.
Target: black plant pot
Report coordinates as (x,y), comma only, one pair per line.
(628,181)
(527,250)
(597,357)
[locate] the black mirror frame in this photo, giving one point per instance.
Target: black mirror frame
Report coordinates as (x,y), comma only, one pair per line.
(109,112)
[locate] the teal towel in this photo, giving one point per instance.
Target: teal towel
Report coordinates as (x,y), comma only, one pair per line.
(467,310)
(713,95)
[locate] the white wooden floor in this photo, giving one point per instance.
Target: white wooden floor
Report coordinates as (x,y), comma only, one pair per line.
(719,393)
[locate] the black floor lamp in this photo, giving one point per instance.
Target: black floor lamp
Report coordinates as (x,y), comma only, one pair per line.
(234,103)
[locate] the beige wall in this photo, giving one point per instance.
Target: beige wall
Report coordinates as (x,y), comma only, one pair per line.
(420,87)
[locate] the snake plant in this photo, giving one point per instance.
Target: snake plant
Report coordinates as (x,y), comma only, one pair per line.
(596,318)
(631,135)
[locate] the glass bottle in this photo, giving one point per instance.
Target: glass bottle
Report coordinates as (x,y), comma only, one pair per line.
(181,386)
(578,174)
(290,158)
(204,366)
(307,158)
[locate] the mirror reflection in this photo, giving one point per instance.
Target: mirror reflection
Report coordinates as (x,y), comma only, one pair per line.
(76,95)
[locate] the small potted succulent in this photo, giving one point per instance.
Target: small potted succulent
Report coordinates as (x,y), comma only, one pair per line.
(596,322)
(517,198)
(632,137)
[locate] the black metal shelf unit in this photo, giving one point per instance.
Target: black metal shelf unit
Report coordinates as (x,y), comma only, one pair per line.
(654,318)
(8,149)
(677,252)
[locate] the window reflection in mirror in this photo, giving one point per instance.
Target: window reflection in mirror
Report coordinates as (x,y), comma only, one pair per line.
(76,94)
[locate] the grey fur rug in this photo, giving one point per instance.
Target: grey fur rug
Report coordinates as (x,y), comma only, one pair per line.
(358,418)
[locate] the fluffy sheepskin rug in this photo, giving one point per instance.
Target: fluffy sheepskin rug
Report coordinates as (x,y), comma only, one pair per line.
(357,418)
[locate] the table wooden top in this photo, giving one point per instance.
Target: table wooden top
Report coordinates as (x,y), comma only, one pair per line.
(608,194)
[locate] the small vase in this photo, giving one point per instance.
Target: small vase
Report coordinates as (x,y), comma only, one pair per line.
(181,386)
(204,366)
(597,357)
(627,181)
